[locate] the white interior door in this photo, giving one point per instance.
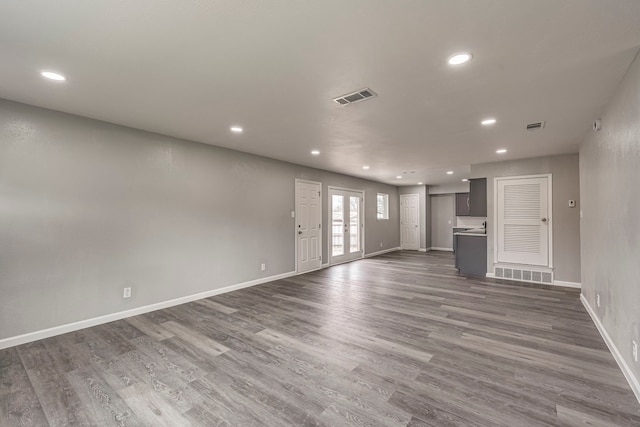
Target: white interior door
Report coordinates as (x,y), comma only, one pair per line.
(523,221)
(409,223)
(308,225)
(347,226)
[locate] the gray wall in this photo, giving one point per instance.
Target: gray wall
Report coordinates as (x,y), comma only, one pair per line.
(610,190)
(88,207)
(421,191)
(566,220)
(443,217)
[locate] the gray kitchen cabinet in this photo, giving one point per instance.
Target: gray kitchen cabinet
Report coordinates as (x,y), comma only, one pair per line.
(456,230)
(471,255)
(478,197)
(462,204)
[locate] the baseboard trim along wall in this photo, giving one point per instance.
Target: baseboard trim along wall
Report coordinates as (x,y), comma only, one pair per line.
(422,250)
(626,371)
(567,284)
(70,327)
(555,282)
(440,249)
(382,252)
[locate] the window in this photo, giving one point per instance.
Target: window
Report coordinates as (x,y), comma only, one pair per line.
(383,206)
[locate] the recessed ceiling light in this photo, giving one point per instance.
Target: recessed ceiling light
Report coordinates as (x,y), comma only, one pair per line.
(236,129)
(465,179)
(365,167)
(419,183)
(399,177)
(460,58)
(315,152)
(501,151)
(53,76)
(449,172)
(487,122)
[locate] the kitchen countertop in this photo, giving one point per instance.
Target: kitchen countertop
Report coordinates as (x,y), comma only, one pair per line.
(462,233)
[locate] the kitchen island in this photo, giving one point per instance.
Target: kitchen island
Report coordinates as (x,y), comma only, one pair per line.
(471,252)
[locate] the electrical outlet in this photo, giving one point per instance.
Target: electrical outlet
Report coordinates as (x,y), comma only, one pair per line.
(634,347)
(126,293)
(597,300)
(263,266)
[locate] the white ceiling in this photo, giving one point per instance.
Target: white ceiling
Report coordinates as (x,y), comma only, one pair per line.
(191,69)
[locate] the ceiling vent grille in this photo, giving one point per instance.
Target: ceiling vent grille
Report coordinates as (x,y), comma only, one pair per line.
(536,125)
(357,96)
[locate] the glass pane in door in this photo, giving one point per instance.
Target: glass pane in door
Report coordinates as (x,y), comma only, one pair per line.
(337,225)
(354,224)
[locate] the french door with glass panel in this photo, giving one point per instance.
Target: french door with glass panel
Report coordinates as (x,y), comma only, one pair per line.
(347,228)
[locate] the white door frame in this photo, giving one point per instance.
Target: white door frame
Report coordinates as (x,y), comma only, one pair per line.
(549,213)
(295,229)
(330,221)
(417,197)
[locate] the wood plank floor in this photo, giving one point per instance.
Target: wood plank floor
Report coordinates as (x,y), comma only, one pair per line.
(395,340)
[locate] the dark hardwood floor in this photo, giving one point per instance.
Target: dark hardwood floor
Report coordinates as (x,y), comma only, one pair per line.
(397,340)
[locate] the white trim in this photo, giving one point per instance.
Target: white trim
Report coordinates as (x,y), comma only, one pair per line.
(549,212)
(70,327)
(295,220)
(626,371)
(369,255)
(440,249)
(325,265)
(491,276)
(567,284)
(423,250)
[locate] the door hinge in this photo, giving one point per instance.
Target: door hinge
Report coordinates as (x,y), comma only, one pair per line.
(319,226)
(318,193)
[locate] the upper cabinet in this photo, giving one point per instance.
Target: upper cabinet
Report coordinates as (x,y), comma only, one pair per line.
(473,203)
(478,197)
(462,204)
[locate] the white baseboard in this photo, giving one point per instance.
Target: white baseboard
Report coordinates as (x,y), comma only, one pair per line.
(626,371)
(441,249)
(491,275)
(369,255)
(422,250)
(70,327)
(567,284)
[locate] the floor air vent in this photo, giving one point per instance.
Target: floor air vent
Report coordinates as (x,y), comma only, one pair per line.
(353,97)
(534,126)
(524,275)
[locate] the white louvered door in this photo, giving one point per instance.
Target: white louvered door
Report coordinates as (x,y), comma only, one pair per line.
(524,225)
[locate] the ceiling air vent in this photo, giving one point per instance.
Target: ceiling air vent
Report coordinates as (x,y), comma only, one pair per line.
(357,96)
(534,126)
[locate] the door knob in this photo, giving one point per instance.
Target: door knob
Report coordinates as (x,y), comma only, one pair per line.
(299,232)
(544,219)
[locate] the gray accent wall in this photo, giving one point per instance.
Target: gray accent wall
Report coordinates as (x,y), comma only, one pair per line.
(421,191)
(565,220)
(87,208)
(610,193)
